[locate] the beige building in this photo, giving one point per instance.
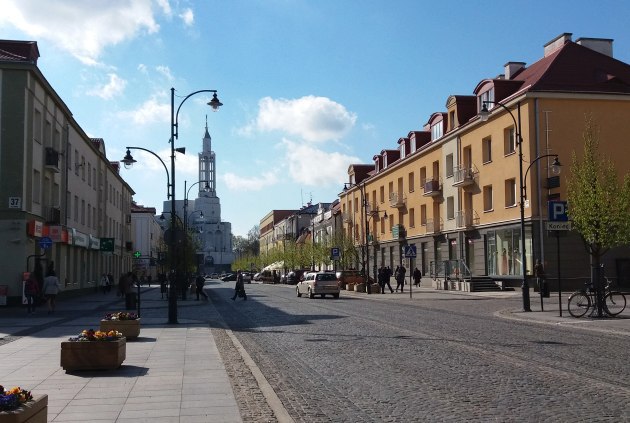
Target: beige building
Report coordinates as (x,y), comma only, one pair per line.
(452,189)
(63,202)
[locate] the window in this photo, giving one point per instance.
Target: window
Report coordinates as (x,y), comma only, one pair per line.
(449,165)
(391,189)
(411,182)
(423,175)
(412,144)
(451,120)
(37,130)
(89,215)
(68,158)
(450,208)
(436,131)
(510,193)
(509,141)
(89,174)
(423,215)
(486,149)
(76,208)
(76,162)
(37,186)
(382,194)
(487,198)
(412,218)
(83,212)
(403,150)
(487,96)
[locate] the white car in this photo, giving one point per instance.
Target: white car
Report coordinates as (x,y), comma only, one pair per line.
(318,283)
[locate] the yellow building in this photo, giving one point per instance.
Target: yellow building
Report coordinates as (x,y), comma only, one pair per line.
(452,189)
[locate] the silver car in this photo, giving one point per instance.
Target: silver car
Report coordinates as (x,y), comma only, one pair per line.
(318,283)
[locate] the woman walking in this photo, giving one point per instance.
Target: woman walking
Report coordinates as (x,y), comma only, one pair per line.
(51,289)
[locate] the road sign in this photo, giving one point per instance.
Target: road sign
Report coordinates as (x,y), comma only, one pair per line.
(45,242)
(410,251)
(558,211)
(558,226)
(335,254)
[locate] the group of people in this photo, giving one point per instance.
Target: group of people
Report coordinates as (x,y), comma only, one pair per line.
(385,273)
(38,287)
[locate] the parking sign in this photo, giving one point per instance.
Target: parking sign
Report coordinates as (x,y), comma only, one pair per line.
(558,211)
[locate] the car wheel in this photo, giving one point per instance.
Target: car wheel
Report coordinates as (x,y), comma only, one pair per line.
(335,295)
(310,294)
(297,291)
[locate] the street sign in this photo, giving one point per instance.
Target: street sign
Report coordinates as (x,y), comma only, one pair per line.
(107,245)
(335,254)
(410,251)
(137,254)
(558,211)
(45,242)
(558,226)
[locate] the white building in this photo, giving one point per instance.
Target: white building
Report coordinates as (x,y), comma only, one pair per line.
(149,242)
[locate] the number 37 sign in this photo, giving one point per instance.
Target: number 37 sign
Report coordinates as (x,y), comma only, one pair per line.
(15,202)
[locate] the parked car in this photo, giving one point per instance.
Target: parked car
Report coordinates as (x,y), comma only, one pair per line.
(318,283)
(229,277)
(214,276)
(294,277)
(247,277)
(257,277)
(349,276)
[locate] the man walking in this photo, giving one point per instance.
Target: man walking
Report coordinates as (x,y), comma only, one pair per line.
(416,277)
(200,282)
(239,288)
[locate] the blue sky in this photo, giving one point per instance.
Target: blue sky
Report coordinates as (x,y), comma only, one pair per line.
(309,87)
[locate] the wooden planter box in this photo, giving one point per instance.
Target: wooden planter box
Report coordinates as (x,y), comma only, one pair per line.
(129,328)
(360,287)
(35,411)
(350,286)
(93,355)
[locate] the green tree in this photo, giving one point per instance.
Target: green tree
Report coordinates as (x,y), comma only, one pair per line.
(599,204)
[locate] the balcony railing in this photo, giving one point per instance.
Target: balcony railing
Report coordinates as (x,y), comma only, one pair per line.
(463,176)
(466,218)
(52,159)
(434,226)
(397,199)
(432,187)
(372,209)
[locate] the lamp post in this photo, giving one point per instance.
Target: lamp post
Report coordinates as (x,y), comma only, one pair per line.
(215,104)
(365,255)
(186,216)
(484,114)
(371,214)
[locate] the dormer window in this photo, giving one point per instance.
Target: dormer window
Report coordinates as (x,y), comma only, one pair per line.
(412,144)
(384,160)
(437,131)
(486,96)
(403,153)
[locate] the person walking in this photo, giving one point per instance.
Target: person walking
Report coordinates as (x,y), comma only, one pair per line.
(400,278)
(239,288)
(417,274)
(200,281)
(385,275)
(103,282)
(31,292)
(51,289)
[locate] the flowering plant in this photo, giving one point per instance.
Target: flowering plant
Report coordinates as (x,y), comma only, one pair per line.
(13,398)
(92,335)
(121,316)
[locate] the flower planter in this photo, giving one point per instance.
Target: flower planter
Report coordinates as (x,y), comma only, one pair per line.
(350,287)
(93,355)
(34,411)
(129,328)
(360,287)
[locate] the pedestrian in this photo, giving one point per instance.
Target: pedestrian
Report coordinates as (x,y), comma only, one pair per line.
(103,282)
(417,274)
(162,279)
(51,289)
(541,278)
(200,281)
(31,292)
(239,288)
(400,277)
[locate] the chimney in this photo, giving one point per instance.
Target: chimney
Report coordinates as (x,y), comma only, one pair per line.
(600,45)
(511,68)
(557,42)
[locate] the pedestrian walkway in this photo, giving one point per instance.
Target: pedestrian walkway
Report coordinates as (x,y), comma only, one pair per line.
(172,373)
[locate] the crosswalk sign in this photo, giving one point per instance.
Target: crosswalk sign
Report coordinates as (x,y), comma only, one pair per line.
(410,251)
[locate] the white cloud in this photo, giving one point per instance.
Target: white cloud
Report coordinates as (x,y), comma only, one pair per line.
(314,119)
(165,71)
(150,111)
(114,87)
(83,28)
(314,167)
(188,17)
(142,68)
(236,182)
(165,6)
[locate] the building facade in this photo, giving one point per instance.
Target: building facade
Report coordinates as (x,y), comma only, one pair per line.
(148,241)
(65,204)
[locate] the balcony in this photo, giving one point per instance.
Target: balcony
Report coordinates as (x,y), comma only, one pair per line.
(432,187)
(466,219)
(52,215)
(397,200)
(463,176)
(372,209)
(434,226)
(52,159)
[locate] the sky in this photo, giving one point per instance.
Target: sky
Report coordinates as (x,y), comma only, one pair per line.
(308,87)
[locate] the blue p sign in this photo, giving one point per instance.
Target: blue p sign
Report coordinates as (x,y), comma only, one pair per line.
(558,211)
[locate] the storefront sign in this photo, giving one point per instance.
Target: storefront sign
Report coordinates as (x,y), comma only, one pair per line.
(80,239)
(55,233)
(95,243)
(35,228)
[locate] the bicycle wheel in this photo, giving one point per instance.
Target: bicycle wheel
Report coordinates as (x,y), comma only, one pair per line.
(579,303)
(615,303)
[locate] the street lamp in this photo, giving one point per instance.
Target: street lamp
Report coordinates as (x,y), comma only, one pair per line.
(365,255)
(484,115)
(371,214)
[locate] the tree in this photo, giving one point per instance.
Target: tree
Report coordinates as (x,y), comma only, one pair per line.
(599,204)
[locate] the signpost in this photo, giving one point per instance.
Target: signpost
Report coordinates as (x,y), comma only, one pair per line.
(410,253)
(335,255)
(558,221)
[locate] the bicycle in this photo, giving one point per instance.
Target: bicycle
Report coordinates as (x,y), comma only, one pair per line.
(581,301)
